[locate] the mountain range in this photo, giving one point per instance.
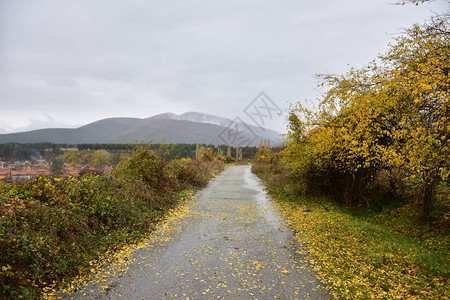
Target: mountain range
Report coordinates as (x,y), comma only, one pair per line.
(189,128)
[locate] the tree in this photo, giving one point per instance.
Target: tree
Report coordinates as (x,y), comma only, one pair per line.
(57,167)
(101,158)
(392,115)
(419,85)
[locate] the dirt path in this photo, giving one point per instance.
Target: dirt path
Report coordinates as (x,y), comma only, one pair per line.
(230,245)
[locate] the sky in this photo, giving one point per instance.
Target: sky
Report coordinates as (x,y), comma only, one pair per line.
(69,63)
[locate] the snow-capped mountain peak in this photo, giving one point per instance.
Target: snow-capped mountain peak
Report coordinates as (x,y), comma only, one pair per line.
(195,117)
(204,118)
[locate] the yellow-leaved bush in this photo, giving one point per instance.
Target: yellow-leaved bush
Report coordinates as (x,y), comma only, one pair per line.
(389,120)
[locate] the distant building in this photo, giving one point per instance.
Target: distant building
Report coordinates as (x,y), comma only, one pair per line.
(42,171)
(22,175)
(5,173)
(71,170)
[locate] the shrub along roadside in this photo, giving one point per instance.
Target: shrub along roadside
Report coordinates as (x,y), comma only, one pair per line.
(51,228)
(365,254)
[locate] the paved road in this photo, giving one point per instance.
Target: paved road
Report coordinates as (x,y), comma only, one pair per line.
(231,244)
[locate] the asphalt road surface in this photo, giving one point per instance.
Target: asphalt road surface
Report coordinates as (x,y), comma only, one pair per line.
(230,243)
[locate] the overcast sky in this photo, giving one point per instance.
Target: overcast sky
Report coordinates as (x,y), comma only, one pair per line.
(68,63)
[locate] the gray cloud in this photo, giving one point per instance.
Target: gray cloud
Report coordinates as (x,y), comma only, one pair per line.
(74,62)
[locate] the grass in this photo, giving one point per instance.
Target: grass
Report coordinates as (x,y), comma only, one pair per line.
(369,255)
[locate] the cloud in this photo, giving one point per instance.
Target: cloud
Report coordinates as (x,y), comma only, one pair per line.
(84,60)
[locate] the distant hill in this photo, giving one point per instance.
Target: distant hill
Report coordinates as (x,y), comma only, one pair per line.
(191,127)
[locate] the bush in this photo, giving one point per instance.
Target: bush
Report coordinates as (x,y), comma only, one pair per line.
(51,228)
(390,117)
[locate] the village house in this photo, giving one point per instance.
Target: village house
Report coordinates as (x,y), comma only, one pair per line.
(22,175)
(22,170)
(5,173)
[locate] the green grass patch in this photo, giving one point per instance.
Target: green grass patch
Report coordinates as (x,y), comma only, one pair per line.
(370,256)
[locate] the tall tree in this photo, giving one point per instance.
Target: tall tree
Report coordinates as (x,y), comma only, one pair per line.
(391,115)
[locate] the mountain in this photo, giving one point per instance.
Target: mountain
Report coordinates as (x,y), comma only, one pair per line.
(195,117)
(190,127)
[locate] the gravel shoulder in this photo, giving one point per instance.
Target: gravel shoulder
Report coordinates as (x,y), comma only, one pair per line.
(229,243)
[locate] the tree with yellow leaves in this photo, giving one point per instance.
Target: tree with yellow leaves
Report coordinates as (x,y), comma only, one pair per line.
(392,116)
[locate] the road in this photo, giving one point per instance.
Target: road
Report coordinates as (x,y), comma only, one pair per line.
(230,243)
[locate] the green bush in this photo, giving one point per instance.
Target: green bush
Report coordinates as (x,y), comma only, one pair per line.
(51,228)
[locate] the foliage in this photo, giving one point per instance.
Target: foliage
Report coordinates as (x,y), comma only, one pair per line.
(377,140)
(364,254)
(15,151)
(107,147)
(368,257)
(416,2)
(88,154)
(97,158)
(388,119)
(203,153)
(51,228)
